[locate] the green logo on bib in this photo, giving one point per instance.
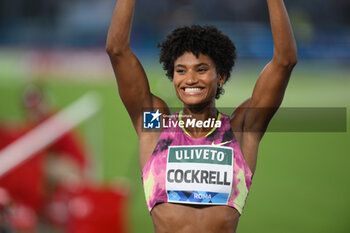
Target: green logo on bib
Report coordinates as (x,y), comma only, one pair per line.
(200,154)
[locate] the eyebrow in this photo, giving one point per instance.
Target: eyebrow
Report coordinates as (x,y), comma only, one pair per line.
(200,64)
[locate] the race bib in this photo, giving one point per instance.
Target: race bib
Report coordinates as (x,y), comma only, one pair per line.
(199,174)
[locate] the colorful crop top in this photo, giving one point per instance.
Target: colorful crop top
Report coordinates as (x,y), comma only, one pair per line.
(207,171)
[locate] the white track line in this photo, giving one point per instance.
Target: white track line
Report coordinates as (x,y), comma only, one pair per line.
(48,131)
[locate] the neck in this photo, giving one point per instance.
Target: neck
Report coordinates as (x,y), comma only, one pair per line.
(201,112)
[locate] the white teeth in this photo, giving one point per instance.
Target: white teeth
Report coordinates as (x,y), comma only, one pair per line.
(193,89)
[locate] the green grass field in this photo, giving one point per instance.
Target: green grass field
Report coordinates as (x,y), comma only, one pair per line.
(301,182)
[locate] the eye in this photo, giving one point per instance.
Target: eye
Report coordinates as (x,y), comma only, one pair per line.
(202,70)
(180,71)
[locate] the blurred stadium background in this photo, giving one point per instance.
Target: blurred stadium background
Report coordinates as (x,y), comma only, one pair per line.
(302,180)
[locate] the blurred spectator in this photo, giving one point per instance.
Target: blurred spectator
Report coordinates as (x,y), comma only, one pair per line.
(50,191)
(67,161)
(32,183)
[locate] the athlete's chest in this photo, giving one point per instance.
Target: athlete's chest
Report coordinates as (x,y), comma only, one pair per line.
(198,174)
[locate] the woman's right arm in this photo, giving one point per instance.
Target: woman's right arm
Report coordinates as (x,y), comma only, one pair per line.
(131,78)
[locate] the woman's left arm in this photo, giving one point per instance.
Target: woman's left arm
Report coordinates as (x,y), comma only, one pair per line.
(270,87)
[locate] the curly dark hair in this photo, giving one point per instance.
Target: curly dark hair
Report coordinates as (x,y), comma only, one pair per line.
(207,40)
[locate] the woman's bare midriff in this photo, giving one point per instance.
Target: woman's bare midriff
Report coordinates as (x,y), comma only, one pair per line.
(177,218)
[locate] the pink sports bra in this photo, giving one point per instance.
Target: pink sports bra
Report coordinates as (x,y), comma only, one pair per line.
(206,171)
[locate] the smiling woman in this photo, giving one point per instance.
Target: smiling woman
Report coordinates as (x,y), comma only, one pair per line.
(195,79)
(189,169)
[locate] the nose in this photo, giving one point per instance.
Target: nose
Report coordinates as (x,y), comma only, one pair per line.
(191,78)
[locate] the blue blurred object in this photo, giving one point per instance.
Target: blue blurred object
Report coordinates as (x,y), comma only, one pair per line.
(321,32)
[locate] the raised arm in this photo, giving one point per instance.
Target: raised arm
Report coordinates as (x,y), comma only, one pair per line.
(252,117)
(132,81)
(269,89)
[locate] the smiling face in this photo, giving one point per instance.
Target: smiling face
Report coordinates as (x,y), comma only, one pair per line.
(195,79)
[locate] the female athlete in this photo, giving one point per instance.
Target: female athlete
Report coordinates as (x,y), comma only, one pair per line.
(196,174)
